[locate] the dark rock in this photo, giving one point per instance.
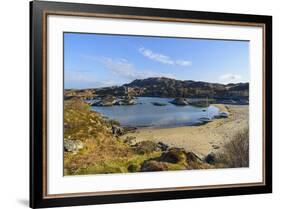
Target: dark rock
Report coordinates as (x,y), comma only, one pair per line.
(162,146)
(173,155)
(158,104)
(205,120)
(191,157)
(130,129)
(210,158)
(133,168)
(153,165)
(180,101)
(117,130)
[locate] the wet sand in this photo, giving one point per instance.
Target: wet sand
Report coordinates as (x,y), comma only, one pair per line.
(201,139)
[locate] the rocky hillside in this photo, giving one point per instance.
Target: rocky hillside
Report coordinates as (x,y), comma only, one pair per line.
(167,87)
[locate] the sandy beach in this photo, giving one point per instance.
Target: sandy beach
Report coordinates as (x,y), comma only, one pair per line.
(199,139)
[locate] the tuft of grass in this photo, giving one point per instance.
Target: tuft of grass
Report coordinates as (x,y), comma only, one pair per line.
(236,152)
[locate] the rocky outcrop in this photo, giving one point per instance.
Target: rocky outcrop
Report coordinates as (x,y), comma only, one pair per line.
(144,147)
(174,159)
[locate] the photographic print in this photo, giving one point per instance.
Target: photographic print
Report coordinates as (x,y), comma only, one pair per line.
(141,104)
(149,103)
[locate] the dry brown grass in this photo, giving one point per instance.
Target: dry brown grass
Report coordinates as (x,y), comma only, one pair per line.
(236,152)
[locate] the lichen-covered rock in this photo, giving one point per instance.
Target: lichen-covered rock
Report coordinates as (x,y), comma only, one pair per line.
(144,147)
(72,145)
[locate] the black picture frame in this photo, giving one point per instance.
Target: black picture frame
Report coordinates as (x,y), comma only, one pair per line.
(38,87)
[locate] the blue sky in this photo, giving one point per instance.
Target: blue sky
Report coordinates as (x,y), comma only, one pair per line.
(96,60)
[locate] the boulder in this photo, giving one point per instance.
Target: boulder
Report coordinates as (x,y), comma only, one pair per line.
(144,147)
(180,101)
(153,165)
(191,157)
(105,101)
(211,158)
(173,155)
(158,104)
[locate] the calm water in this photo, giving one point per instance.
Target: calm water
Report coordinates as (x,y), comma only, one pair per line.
(144,113)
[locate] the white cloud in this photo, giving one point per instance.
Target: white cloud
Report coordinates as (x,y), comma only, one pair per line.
(155,56)
(125,69)
(228,78)
(164,59)
(183,62)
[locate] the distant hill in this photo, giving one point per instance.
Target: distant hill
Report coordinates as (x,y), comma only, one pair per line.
(167,87)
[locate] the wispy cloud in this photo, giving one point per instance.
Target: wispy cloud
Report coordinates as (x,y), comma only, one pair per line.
(156,56)
(124,68)
(164,59)
(183,62)
(228,78)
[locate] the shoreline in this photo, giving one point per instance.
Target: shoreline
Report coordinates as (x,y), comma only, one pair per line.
(200,139)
